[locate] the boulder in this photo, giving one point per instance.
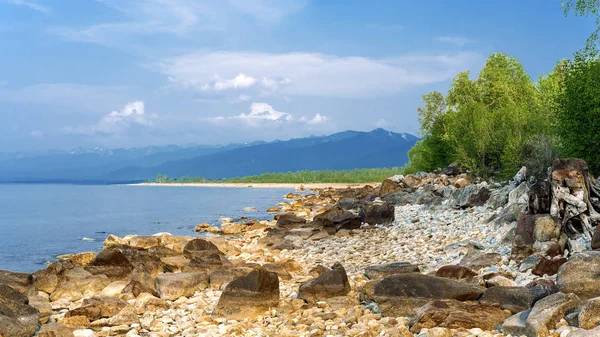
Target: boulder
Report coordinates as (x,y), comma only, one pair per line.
(172,286)
(329,284)
(394,268)
(580,275)
(589,313)
(546,228)
(548,266)
(55,330)
(220,277)
(400,198)
(380,213)
(498,198)
(278,269)
(477,260)
(515,325)
(249,296)
(335,219)
(42,304)
(515,299)
(200,247)
(547,312)
(17,319)
(21,282)
(523,241)
(98,307)
(456,272)
(112,263)
(208,263)
(519,195)
(454,314)
(148,302)
(289,220)
(389,186)
(400,295)
(473,195)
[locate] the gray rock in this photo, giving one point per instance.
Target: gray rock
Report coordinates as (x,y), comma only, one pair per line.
(515,324)
(519,195)
(389,269)
(580,275)
(515,299)
(589,313)
(473,195)
(498,198)
(547,312)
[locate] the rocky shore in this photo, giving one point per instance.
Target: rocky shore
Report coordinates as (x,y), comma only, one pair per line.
(436,255)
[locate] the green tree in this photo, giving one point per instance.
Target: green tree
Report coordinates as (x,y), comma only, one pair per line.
(586,8)
(579,116)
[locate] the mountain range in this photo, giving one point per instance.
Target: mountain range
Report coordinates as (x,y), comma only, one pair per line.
(343,150)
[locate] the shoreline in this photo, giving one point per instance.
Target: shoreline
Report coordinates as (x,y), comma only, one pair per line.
(296,186)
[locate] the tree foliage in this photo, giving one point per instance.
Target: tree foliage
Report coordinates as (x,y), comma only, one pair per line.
(586,8)
(484,123)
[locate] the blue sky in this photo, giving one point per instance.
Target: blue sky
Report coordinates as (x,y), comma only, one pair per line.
(125,73)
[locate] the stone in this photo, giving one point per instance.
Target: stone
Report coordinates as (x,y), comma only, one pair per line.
(318,270)
(515,299)
(83,259)
(389,186)
(456,272)
(519,195)
(548,266)
(148,302)
(523,241)
(589,313)
(546,228)
(249,296)
(499,281)
(140,241)
(498,198)
(208,263)
(278,269)
(172,286)
(529,262)
(127,316)
(454,314)
(515,324)
(289,221)
(42,304)
(17,319)
(549,311)
(112,263)
(473,195)
(98,307)
(399,198)
(75,322)
(477,260)
(580,275)
(400,295)
(335,219)
(389,269)
(377,213)
(200,247)
(21,282)
(541,288)
(55,330)
(329,284)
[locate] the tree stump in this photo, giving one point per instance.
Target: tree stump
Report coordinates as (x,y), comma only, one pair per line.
(574,197)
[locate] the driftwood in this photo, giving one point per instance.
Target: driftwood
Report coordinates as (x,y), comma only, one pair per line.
(575,201)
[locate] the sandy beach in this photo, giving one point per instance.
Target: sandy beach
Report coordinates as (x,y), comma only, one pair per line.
(295,186)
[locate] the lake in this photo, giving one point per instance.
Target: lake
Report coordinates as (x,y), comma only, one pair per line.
(39,222)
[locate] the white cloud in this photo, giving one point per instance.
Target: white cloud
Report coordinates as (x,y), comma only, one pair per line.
(31,5)
(318,119)
(382,123)
(116,122)
(240,81)
(263,114)
(455,40)
(177,17)
(314,74)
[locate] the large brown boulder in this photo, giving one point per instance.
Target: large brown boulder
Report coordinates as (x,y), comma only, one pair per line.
(377,213)
(290,220)
(21,282)
(580,275)
(335,219)
(477,260)
(389,186)
(208,263)
(329,284)
(112,263)
(249,296)
(200,247)
(400,295)
(456,272)
(454,314)
(98,307)
(17,319)
(589,313)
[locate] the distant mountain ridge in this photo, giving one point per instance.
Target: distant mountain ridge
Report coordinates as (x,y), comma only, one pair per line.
(343,150)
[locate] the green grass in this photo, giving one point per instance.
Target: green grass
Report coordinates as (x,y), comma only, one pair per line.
(301,177)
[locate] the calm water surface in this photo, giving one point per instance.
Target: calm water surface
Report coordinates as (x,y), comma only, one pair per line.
(39,222)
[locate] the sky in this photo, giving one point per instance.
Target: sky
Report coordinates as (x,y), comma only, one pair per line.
(129,73)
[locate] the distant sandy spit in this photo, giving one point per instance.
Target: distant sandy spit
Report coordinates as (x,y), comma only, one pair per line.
(261,185)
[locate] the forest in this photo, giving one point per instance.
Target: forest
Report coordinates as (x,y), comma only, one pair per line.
(501,119)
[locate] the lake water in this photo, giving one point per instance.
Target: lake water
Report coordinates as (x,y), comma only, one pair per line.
(39,222)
